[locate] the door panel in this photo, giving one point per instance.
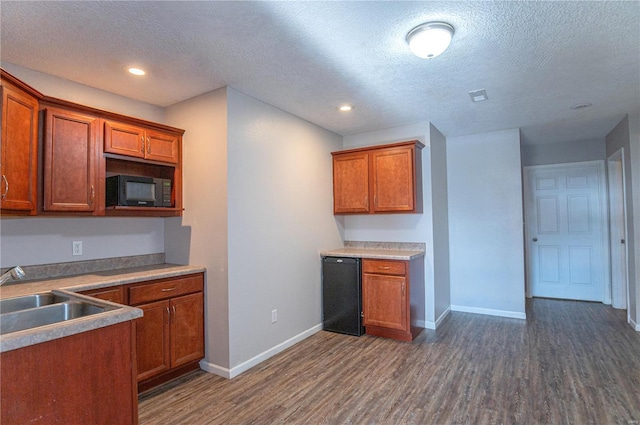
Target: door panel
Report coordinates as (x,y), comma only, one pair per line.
(566,258)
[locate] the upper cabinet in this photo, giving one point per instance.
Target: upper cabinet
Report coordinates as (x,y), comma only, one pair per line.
(378,179)
(60,167)
(19,144)
(70,158)
(124,139)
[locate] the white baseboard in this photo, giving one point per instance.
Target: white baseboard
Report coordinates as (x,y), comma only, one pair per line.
(243,367)
(634,325)
(489,312)
(428,324)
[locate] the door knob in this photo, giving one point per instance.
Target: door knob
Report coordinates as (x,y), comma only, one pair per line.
(535,239)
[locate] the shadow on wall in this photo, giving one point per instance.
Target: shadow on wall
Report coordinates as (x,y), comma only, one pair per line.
(177,241)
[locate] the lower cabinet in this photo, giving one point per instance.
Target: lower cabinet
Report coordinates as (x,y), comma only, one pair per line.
(170,335)
(86,378)
(392,297)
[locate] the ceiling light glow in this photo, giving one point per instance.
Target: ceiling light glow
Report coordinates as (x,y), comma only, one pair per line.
(345,108)
(430,39)
(136,71)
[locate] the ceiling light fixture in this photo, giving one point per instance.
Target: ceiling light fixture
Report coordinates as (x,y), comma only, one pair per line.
(345,108)
(430,39)
(136,71)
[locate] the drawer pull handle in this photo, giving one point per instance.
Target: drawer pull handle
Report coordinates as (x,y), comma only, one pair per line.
(384,268)
(168,289)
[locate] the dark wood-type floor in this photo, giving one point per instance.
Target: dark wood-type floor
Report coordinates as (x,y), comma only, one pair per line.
(569,363)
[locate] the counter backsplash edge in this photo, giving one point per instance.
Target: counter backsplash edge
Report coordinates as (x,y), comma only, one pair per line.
(400,246)
(54,270)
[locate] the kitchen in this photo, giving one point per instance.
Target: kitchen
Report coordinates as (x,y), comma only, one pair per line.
(247,170)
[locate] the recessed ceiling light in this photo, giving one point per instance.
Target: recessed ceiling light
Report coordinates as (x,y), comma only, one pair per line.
(478,95)
(136,71)
(345,108)
(581,106)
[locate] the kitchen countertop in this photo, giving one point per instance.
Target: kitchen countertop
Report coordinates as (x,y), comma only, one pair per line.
(378,250)
(71,285)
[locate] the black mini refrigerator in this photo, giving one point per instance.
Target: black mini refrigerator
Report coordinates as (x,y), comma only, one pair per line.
(341,295)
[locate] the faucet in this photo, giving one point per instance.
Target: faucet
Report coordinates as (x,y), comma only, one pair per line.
(15,273)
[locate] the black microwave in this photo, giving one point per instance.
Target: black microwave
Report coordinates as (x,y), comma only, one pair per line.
(136,191)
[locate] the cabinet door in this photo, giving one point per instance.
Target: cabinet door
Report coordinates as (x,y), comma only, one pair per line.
(351,183)
(385,301)
(19,150)
(187,329)
(123,139)
(152,340)
(393,179)
(161,147)
(70,161)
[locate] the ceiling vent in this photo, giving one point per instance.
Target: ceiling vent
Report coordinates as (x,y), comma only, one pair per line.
(478,95)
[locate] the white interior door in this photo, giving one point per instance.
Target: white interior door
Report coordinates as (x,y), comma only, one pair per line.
(566,231)
(617,225)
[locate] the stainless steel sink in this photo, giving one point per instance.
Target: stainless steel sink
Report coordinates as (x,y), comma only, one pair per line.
(10,305)
(47,315)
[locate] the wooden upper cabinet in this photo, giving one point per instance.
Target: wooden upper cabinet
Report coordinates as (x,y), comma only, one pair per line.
(123,139)
(129,140)
(378,179)
(351,183)
(70,158)
(161,147)
(19,167)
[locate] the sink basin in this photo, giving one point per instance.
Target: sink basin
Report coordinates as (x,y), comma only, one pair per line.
(10,305)
(47,315)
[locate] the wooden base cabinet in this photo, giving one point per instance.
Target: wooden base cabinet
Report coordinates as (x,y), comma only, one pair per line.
(87,378)
(393,297)
(170,335)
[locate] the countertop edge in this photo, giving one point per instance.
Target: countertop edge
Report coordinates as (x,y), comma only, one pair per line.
(378,254)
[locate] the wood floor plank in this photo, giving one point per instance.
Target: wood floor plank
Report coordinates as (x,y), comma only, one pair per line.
(569,363)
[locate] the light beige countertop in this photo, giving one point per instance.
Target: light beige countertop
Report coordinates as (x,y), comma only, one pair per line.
(378,250)
(72,284)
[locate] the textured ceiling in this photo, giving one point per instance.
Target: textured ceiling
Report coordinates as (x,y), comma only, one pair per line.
(534,59)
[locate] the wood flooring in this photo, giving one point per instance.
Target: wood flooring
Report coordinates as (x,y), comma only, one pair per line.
(569,363)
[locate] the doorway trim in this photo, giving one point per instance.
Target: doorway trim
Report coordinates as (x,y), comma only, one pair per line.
(615,163)
(604,217)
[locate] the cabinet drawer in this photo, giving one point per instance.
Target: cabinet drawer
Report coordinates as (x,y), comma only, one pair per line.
(163,289)
(114,294)
(384,267)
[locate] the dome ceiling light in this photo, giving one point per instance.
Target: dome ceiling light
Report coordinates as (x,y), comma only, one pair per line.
(430,39)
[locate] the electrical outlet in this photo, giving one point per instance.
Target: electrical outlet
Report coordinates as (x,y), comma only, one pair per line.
(274,316)
(77,247)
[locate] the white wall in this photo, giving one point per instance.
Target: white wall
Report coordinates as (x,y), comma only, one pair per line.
(400,227)
(620,138)
(34,241)
(279,218)
(200,236)
(486,223)
(41,240)
(634,136)
(559,153)
(440,211)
